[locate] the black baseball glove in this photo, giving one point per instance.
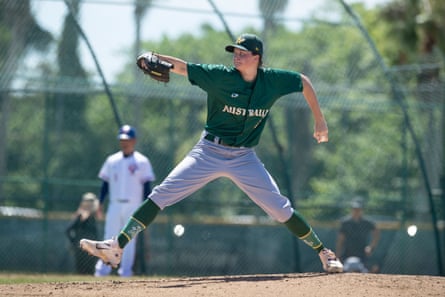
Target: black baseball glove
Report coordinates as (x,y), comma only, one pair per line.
(156,68)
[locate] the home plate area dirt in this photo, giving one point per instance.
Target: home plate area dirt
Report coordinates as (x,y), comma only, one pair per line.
(276,285)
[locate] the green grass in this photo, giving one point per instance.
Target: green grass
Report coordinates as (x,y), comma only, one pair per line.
(23,278)
(19,278)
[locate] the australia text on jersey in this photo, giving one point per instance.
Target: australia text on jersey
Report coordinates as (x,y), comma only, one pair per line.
(243,111)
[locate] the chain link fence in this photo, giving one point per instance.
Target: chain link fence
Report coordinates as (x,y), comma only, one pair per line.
(58,123)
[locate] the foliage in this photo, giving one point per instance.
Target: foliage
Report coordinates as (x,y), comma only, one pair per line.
(65,141)
(403,29)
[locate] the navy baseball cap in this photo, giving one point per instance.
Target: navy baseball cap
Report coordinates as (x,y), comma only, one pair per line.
(247,42)
(357,203)
(126,132)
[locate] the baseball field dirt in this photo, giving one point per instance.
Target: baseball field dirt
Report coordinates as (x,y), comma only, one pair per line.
(276,285)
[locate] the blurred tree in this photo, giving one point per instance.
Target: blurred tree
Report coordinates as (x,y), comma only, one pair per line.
(417,31)
(19,33)
(69,108)
(414,25)
(269,11)
(141,8)
(68,124)
(363,151)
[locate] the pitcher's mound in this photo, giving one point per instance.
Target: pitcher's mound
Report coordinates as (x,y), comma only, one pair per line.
(275,285)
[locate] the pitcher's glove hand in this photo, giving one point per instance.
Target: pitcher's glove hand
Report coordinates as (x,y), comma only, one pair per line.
(156,68)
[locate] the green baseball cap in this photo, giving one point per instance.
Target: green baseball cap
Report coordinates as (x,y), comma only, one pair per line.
(247,42)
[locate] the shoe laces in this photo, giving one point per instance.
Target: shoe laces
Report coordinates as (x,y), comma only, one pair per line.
(329,254)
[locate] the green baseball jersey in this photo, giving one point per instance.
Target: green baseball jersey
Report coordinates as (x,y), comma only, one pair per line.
(237,110)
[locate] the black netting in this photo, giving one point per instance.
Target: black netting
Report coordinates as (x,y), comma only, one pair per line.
(58,122)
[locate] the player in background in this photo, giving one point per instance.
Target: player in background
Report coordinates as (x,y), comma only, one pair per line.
(127,176)
(239,99)
(357,239)
(83,225)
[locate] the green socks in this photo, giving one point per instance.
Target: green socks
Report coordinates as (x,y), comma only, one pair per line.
(148,211)
(298,226)
(140,219)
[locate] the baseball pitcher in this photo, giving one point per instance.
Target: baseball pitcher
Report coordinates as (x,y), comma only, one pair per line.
(239,100)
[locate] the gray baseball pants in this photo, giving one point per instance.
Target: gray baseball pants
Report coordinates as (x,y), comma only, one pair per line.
(208,161)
